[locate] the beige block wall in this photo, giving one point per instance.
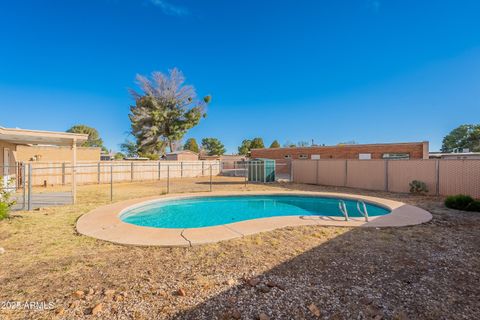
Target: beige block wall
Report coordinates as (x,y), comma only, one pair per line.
(331,172)
(443,177)
(460,177)
(401,173)
(366,174)
(304,171)
(56,154)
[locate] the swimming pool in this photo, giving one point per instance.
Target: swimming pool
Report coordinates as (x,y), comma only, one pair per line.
(197,212)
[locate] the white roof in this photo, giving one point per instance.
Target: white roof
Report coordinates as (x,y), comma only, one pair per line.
(24,136)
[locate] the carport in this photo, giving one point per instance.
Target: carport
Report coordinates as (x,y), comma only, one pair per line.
(11,137)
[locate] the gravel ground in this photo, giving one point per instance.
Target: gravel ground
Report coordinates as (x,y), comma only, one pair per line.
(430,271)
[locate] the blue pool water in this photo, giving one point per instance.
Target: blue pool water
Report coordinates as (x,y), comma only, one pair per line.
(212,211)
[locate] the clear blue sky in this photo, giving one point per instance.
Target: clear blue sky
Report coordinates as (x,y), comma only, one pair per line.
(363,70)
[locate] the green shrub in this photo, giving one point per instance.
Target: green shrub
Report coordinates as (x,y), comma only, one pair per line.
(418,187)
(4,209)
(474,206)
(459,201)
(5,202)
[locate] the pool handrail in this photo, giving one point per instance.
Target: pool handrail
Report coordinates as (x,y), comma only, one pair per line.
(343,209)
(365,211)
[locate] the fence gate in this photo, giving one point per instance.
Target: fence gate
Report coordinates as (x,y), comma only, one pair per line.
(283,170)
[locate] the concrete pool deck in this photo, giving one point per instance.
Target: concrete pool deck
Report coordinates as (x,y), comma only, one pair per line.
(104,222)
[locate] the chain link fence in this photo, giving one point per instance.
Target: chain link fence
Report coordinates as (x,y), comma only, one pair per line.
(36,185)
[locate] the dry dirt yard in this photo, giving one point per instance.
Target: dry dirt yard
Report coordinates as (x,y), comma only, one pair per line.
(430,271)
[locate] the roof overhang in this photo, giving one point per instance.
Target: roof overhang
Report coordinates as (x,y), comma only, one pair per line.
(23,136)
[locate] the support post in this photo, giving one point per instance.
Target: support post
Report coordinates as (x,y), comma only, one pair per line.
(98,173)
(386,175)
(181,169)
(159,170)
(111,182)
(437,177)
(345,180)
(24,185)
(246,173)
(63,173)
(211,177)
(74,171)
(316,175)
(203,168)
(291,170)
(168,179)
(131,171)
(29,187)
(264,166)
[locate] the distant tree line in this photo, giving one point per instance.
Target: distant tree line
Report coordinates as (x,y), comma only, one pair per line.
(466,136)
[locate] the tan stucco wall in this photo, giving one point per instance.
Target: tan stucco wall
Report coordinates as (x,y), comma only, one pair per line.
(56,154)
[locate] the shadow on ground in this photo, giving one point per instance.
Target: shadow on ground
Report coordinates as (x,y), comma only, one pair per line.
(429,271)
(221,183)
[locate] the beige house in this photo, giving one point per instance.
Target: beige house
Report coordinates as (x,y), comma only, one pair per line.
(12,142)
(25,153)
(183,155)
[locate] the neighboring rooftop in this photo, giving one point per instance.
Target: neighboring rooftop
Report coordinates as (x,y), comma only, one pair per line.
(454,155)
(182,152)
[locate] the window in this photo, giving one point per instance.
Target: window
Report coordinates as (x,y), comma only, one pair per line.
(288,156)
(365,156)
(315,157)
(303,156)
(396,156)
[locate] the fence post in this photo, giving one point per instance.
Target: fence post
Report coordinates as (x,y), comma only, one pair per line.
(98,173)
(386,175)
(29,187)
(264,166)
(111,182)
(316,175)
(63,173)
(181,169)
(131,171)
(203,168)
(168,178)
(24,185)
(159,169)
(437,177)
(346,173)
(291,170)
(211,177)
(246,173)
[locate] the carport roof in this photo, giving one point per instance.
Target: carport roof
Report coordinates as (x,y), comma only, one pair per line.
(24,136)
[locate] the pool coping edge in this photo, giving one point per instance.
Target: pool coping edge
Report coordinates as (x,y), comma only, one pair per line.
(104,223)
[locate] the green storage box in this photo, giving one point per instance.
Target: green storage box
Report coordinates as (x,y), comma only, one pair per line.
(261,170)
